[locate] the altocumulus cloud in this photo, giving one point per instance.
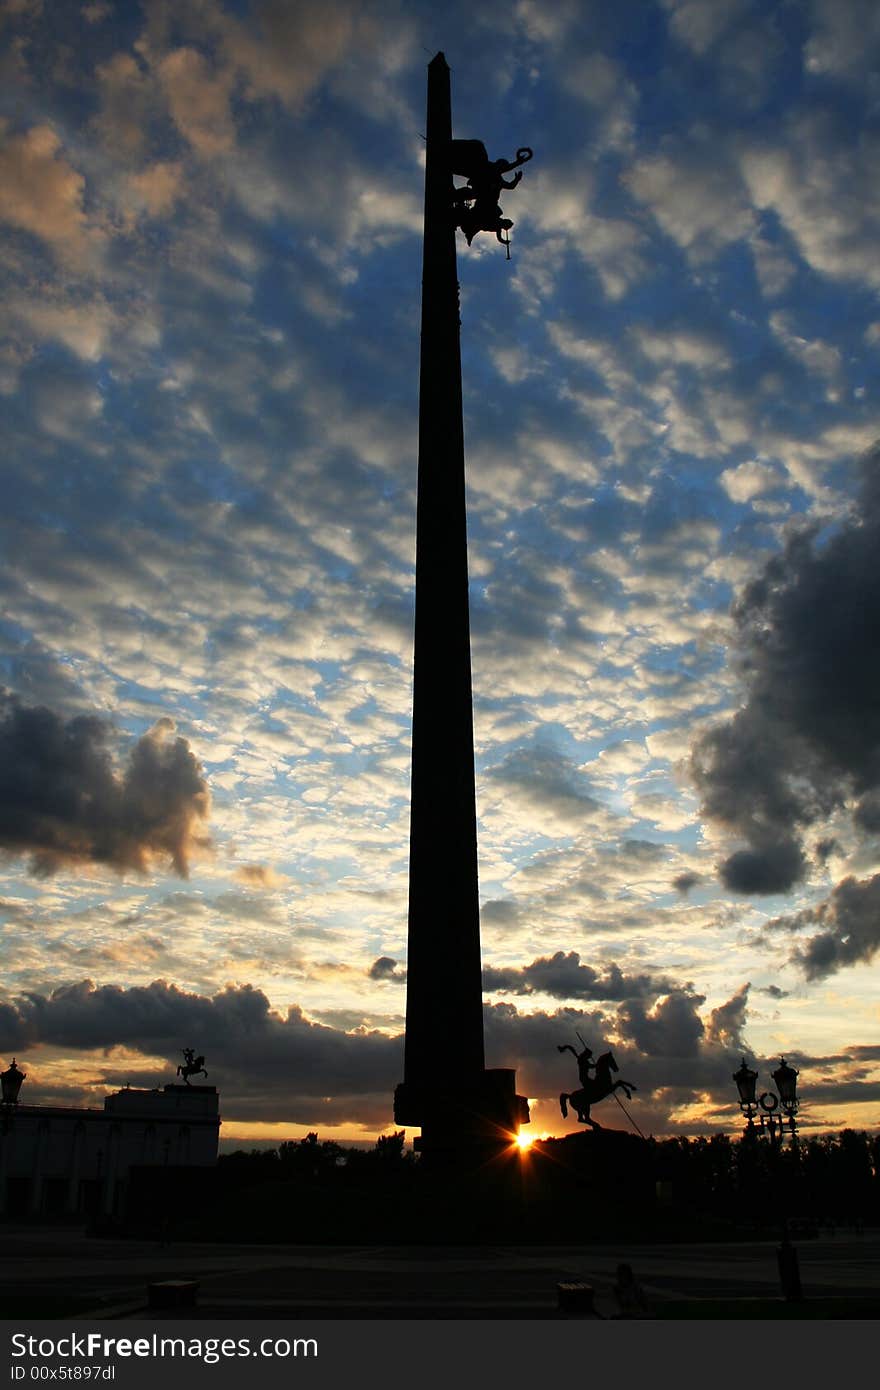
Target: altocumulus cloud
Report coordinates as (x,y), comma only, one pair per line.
(63,802)
(807,739)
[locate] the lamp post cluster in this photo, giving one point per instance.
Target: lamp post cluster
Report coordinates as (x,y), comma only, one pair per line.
(774,1111)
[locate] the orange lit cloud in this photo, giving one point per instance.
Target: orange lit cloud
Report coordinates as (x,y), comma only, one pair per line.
(41,193)
(199,101)
(157,187)
(293,47)
(259,876)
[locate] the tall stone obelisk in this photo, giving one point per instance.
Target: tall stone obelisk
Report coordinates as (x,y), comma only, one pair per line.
(447,1090)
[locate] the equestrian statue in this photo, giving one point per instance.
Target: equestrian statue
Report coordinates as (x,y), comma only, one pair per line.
(192,1065)
(592,1088)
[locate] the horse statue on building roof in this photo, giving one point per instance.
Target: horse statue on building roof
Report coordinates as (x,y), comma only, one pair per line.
(192,1065)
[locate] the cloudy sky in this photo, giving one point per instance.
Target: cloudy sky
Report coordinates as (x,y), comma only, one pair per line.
(211,220)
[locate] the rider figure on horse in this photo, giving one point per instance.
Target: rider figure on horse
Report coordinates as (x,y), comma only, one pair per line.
(192,1065)
(593,1088)
(584,1060)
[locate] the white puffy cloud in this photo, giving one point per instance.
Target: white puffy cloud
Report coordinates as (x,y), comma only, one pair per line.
(696,194)
(749,480)
(701,23)
(822,185)
(682,346)
(819,357)
(843,39)
(561,206)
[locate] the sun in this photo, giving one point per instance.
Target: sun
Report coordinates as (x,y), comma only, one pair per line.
(524,1141)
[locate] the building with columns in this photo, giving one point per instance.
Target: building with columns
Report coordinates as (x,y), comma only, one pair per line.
(62,1161)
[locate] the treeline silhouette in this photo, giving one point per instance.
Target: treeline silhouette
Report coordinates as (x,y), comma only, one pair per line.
(579,1188)
(830,1178)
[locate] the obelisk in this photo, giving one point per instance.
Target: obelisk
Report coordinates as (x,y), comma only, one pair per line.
(447,1090)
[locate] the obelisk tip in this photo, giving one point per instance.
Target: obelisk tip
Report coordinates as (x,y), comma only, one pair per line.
(439,60)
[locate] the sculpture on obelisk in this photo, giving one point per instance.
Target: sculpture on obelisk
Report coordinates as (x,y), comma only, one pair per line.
(447,1090)
(476,204)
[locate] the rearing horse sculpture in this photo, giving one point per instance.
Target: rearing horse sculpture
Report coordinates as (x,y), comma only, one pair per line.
(192,1065)
(600,1086)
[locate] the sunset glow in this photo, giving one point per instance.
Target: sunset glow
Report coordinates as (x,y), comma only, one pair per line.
(211,248)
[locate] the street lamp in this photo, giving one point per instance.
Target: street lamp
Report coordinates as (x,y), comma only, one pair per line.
(11,1080)
(767,1105)
(785,1078)
(10,1085)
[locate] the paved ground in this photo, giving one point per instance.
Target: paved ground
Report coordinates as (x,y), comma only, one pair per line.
(42,1267)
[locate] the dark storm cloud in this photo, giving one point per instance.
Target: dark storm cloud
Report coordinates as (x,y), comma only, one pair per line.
(563,976)
(673,1028)
(386,968)
(265,1064)
(529,1042)
(33,670)
(772,868)
(849,928)
(726,1023)
(837,1092)
(683,883)
(286,1067)
(808,735)
(666,1051)
(824,848)
(63,802)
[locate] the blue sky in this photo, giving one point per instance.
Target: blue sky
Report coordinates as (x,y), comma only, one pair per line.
(211,219)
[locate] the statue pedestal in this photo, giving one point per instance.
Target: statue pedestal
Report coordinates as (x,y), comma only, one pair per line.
(605,1160)
(460,1122)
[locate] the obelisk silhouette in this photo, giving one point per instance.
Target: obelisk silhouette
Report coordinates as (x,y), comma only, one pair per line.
(447,1090)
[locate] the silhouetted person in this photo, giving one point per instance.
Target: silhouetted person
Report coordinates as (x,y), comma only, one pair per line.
(584,1060)
(629,1295)
(789,1270)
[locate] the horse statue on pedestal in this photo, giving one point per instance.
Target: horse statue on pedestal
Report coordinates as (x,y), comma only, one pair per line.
(192,1065)
(596,1089)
